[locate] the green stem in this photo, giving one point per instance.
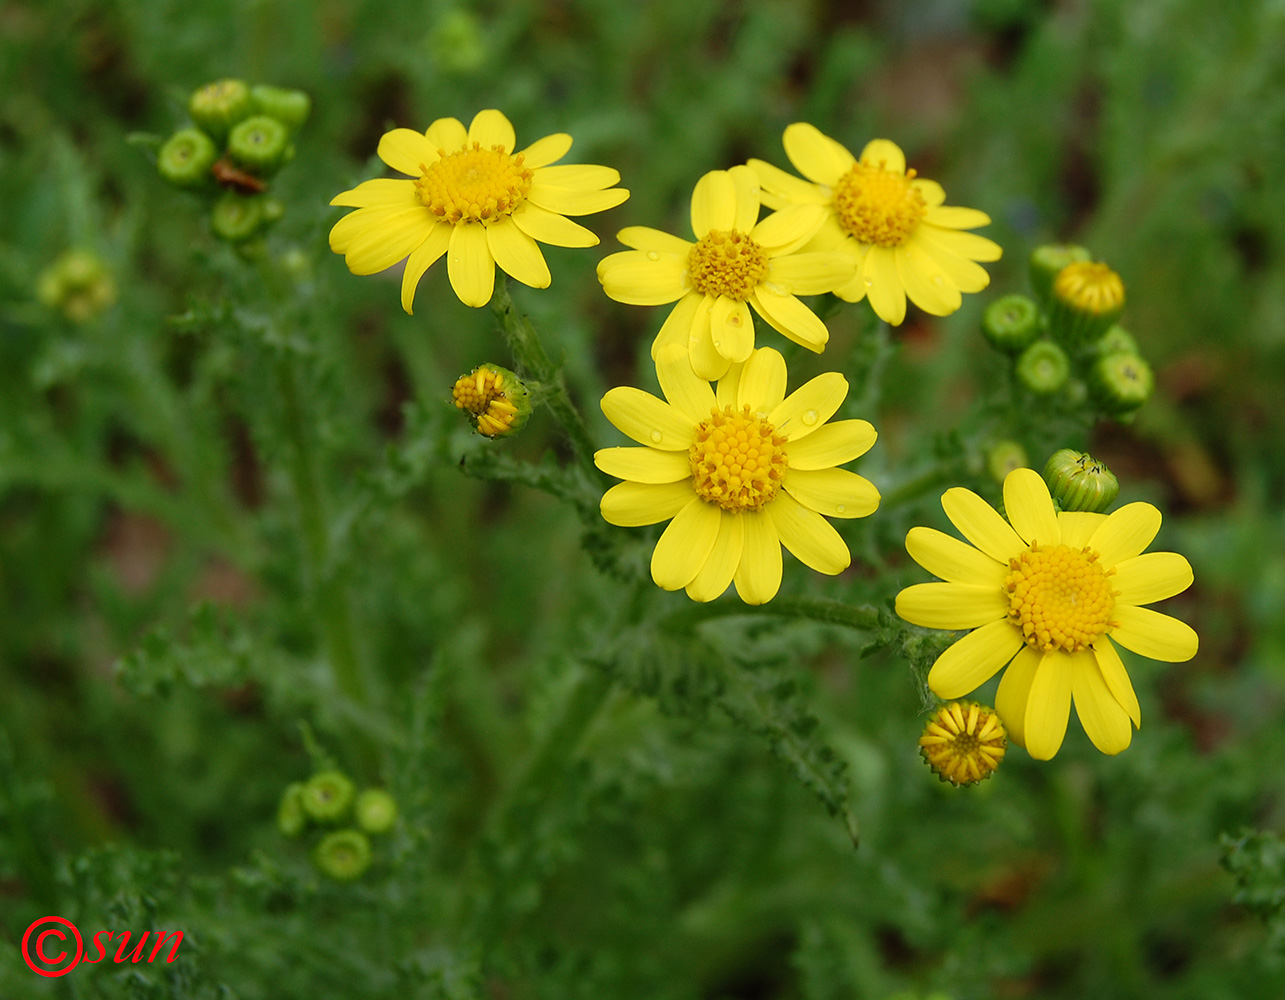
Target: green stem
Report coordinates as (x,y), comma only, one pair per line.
(911,489)
(550,387)
(829,612)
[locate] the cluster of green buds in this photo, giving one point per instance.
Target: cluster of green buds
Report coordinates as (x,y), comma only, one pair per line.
(497,402)
(1070,329)
(328,800)
(77,284)
(240,137)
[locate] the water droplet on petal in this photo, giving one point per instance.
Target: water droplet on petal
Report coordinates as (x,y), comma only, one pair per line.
(657,437)
(718,343)
(810,417)
(869,283)
(938,280)
(841,508)
(653,255)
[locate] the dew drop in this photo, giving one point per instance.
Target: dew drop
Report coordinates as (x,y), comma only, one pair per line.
(718,343)
(841,508)
(810,417)
(657,437)
(653,255)
(870,283)
(938,280)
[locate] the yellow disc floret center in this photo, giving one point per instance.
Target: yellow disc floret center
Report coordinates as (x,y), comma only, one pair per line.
(1059,597)
(482,393)
(474,184)
(964,742)
(1089,286)
(738,459)
(877,205)
(727,262)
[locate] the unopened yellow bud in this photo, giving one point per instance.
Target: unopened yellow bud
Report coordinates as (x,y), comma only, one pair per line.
(963,742)
(497,402)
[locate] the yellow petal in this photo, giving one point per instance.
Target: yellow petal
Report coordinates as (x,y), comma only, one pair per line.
(1030,508)
(1101,715)
(761,384)
(886,154)
(1048,706)
(974,659)
(573,201)
(632,277)
(809,406)
(685,545)
(1125,533)
(1077,526)
(732,328)
(648,420)
(963,273)
(406,150)
(713,203)
(790,317)
(707,363)
(655,241)
(834,444)
(955,217)
(677,328)
(631,505)
(883,285)
(926,283)
(811,273)
(1117,678)
(378,248)
(947,557)
(544,151)
(384,192)
(785,231)
(1150,577)
(689,394)
(447,134)
(981,525)
(808,535)
(791,188)
(424,256)
(491,128)
(1014,691)
(517,254)
(644,465)
(1149,633)
(549,227)
(832,492)
(728,388)
(469,264)
(816,156)
(716,575)
(581,176)
(970,246)
(930,191)
(746,183)
(758,577)
(951,605)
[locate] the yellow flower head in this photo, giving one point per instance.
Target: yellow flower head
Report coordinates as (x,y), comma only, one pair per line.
(473,195)
(736,262)
(963,742)
(1045,594)
(742,469)
(904,241)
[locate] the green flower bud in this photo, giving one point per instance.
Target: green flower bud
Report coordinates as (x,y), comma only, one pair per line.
(290,107)
(1048,260)
(77,284)
(1080,482)
(1043,367)
(260,144)
(1011,323)
(216,107)
(1003,457)
(456,42)
(376,811)
(291,815)
(344,855)
(1088,297)
(496,400)
(236,217)
(186,158)
(1116,340)
(1121,383)
(328,796)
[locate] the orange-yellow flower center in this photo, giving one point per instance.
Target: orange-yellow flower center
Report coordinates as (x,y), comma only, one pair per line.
(738,459)
(877,205)
(482,393)
(1089,286)
(1059,597)
(964,742)
(727,262)
(474,184)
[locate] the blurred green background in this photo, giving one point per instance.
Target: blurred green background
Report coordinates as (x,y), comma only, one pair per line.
(164,626)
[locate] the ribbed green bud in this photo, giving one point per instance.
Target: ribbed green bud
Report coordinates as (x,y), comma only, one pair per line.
(1003,457)
(1087,299)
(236,217)
(186,158)
(1011,323)
(77,284)
(376,811)
(290,107)
(1080,482)
(344,855)
(1043,367)
(1048,260)
(218,106)
(328,796)
(1116,340)
(291,815)
(260,144)
(497,402)
(1121,382)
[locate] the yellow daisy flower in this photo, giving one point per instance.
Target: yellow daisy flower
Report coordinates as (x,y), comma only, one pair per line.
(736,262)
(1049,592)
(895,226)
(742,470)
(474,196)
